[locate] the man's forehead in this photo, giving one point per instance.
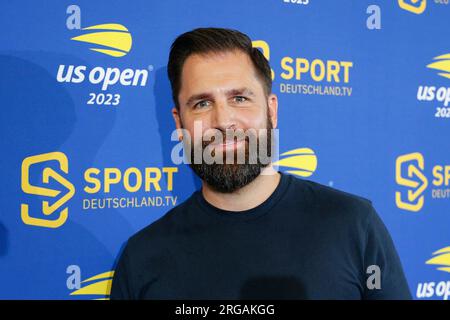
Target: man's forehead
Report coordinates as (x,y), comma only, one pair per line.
(216,63)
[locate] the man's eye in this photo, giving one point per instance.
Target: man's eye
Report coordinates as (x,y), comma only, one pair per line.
(201,104)
(240,99)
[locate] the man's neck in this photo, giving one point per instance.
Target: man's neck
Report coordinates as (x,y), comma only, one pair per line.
(247,197)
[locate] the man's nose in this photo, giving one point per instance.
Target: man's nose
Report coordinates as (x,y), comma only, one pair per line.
(224,116)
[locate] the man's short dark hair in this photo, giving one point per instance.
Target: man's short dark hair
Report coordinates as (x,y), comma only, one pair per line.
(214,40)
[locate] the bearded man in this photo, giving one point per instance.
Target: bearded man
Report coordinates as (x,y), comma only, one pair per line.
(251,231)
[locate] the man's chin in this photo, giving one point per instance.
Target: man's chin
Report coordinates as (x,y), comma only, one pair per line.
(227,178)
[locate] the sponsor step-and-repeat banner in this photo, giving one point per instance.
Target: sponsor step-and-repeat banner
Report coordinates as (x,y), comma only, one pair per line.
(86,127)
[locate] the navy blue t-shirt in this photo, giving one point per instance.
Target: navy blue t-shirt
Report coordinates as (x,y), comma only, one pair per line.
(306,241)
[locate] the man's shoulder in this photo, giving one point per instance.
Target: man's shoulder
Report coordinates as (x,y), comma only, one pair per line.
(321,191)
(329,200)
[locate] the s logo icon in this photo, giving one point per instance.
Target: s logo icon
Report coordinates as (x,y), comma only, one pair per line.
(47,173)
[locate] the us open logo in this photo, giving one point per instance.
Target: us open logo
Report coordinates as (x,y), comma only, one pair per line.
(111,39)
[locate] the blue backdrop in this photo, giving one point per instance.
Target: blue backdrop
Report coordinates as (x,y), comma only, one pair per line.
(364,93)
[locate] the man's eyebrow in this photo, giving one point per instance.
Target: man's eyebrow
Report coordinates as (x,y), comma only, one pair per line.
(231,92)
(240,91)
(200,96)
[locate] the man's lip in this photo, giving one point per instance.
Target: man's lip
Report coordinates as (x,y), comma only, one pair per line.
(229,143)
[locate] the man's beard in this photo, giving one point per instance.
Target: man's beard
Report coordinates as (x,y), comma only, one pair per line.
(229,177)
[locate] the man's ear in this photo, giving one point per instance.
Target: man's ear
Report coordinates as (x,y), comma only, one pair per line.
(272,102)
(177,119)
